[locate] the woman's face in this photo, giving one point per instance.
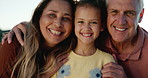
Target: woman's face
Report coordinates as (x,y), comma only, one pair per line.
(56,22)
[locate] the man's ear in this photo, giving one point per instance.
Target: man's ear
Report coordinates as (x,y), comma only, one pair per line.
(141,15)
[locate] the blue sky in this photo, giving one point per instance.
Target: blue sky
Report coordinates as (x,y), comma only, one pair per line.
(13,12)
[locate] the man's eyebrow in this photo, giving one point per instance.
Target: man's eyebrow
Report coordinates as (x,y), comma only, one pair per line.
(130,11)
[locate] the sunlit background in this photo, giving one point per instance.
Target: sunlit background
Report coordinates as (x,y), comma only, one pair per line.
(13,12)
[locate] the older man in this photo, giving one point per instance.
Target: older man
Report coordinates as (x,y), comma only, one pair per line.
(127,40)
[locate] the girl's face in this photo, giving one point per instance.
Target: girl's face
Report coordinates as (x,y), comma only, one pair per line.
(87,24)
(56,22)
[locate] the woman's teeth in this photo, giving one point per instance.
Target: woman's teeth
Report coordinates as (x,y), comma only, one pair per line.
(55,32)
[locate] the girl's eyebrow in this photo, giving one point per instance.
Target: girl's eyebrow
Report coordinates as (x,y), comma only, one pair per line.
(94,19)
(83,19)
(80,18)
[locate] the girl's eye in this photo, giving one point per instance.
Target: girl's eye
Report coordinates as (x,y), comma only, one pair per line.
(52,15)
(80,22)
(94,23)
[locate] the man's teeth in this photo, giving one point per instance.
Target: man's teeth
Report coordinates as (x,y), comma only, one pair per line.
(119,29)
(55,32)
(86,34)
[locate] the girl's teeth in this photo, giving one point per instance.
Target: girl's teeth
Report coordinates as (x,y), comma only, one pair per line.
(86,34)
(55,32)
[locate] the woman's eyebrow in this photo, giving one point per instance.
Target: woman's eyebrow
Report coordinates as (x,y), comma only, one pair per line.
(57,12)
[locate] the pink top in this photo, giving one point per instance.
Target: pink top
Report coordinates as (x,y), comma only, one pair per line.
(135,64)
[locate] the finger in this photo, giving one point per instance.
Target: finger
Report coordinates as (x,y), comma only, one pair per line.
(4,38)
(115,58)
(113,65)
(62,57)
(113,70)
(115,74)
(22,27)
(18,32)
(10,35)
(109,75)
(61,63)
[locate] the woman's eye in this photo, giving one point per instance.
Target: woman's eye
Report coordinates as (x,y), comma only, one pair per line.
(52,15)
(66,19)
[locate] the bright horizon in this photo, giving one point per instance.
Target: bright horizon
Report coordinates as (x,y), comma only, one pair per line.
(13,12)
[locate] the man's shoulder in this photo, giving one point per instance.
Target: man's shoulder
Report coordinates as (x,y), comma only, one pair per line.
(7,48)
(144,31)
(14,43)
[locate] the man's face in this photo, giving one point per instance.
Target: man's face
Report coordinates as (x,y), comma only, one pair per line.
(123,18)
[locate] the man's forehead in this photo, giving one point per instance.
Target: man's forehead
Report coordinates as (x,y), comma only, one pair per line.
(128,2)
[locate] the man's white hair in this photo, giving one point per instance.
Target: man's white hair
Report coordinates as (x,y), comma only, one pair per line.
(141,4)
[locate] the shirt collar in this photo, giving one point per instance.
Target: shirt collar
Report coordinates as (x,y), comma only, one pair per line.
(135,53)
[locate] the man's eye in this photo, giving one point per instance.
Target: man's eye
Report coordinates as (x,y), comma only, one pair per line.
(130,13)
(52,15)
(114,12)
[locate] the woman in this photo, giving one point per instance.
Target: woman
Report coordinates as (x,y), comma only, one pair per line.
(49,29)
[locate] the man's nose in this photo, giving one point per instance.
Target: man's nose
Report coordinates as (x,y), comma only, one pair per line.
(122,19)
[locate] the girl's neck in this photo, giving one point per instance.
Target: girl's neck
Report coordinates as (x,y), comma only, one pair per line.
(85,49)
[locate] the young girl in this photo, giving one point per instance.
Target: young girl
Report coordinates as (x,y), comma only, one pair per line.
(85,60)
